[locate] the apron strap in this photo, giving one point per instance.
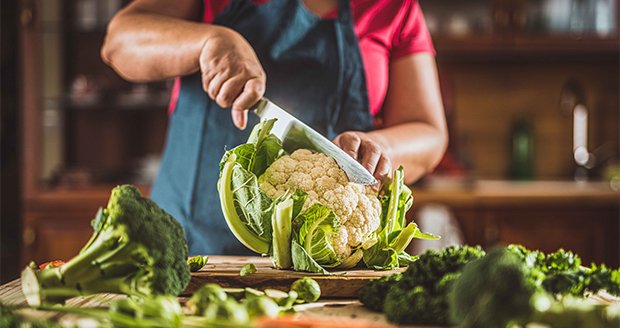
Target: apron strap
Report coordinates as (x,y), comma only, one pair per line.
(344,11)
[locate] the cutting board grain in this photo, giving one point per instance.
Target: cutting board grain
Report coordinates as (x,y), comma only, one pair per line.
(224,270)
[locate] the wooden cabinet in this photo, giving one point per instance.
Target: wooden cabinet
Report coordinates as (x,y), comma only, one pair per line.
(83,128)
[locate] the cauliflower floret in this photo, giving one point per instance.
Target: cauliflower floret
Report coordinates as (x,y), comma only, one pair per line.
(357,207)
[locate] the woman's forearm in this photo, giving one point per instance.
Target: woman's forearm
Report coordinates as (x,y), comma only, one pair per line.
(145,46)
(418,147)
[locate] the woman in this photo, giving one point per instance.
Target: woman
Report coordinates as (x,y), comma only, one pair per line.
(333,63)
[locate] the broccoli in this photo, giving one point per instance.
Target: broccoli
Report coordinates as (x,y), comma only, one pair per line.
(136,249)
(492,292)
(372,295)
(418,295)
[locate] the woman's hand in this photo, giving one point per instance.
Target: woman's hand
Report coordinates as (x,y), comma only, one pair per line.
(231,73)
(368,151)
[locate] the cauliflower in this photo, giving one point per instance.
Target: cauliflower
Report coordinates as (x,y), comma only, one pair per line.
(357,207)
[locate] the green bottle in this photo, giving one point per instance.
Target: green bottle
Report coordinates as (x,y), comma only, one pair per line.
(522,155)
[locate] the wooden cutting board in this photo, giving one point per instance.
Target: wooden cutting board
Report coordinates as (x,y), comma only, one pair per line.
(224,270)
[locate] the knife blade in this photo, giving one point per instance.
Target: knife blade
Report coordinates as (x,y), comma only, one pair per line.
(295,134)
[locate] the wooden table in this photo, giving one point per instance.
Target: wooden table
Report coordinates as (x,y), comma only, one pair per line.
(338,291)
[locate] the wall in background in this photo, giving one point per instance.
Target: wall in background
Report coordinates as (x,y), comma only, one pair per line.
(489,96)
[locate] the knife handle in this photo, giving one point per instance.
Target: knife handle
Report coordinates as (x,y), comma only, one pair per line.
(259,106)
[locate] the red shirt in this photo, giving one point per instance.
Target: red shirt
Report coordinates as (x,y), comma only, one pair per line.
(386,30)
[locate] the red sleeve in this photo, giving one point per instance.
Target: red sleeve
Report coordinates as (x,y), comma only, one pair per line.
(412,36)
(212,8)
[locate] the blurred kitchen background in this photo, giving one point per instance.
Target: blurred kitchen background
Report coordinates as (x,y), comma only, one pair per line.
(531,90)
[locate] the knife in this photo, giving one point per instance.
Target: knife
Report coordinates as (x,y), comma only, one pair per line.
(295,134)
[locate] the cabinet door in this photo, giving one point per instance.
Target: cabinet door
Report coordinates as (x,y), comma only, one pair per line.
(52,236)
(591,233)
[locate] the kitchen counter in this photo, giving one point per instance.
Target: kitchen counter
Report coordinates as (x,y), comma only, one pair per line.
(532,193)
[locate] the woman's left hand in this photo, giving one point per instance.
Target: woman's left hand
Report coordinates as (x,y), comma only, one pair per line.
(370,153)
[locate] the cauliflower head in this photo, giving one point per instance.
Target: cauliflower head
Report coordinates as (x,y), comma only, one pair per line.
(357,207)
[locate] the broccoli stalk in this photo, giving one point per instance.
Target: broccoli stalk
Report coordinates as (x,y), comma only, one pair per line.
(137,249)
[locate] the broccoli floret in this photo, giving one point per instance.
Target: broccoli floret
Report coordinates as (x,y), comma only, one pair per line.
(136,249)
(373,294)
(417,305)
(419,295)
(492,292)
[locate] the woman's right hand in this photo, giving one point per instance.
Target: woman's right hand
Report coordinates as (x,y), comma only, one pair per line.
(231,73)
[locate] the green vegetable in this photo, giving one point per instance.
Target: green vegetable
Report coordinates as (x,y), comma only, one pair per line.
(394,234)
(228,312)
(373,294)
(136,249)
(307,288)
(261,306)
(561,273)
(493,291)
(247,269)
(418,296)
(304,237)
(281,219)
(573,312)
(314,229)
(236,293)
(205,295)
(10,318)
(162,311)
(246,208)
(251,292)
(197,262)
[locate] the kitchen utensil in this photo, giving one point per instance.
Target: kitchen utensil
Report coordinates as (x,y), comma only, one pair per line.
(295,134)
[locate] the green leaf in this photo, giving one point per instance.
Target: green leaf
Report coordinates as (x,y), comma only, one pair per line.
(425,235)
(317,226)
(299,199)
(303,262)
(243,155)
(253,205)
(268,147)
(381,257)
(267,151)
(236,219)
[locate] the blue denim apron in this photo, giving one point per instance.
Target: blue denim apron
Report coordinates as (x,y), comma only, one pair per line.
(314,70)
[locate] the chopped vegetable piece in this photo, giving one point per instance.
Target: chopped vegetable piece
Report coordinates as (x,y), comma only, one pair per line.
(307,288)
(247,269)
(197,262)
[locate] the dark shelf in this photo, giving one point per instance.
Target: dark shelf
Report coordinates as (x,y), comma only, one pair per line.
(523,48)
(116,106)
